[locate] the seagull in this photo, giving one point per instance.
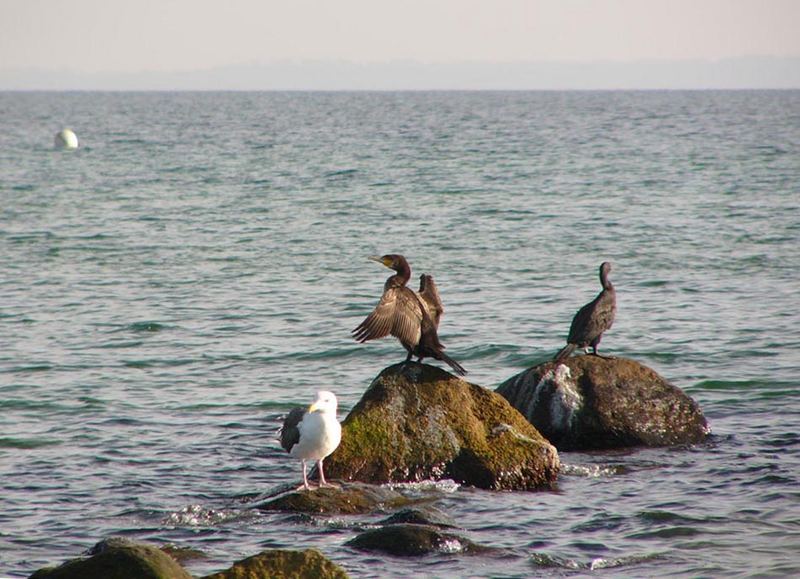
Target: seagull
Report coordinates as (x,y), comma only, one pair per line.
(312,433)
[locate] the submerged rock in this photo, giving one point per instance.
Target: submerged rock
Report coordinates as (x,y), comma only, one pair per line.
(417,422)
(283,564)
(344,499)
(117,558)
(426,515)
(413,540)
(590,402)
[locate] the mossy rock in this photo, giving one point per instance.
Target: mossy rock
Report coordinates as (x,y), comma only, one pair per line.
(283,564)
(117,558)
(417,422)
(592,402)
(413,541)
(343,499)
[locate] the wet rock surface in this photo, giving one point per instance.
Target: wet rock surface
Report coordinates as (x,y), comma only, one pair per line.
(117,558)
(408,540)
(283,564)
(342,499)
(417,422)
(591,402)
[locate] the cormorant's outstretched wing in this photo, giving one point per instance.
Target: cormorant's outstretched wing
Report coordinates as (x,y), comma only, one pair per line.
(398,313)
(290,433)
(429,295)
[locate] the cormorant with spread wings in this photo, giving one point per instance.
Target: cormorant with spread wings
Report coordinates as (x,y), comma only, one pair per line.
(411,317)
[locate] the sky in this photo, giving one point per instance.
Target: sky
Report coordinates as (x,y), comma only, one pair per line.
(114,36)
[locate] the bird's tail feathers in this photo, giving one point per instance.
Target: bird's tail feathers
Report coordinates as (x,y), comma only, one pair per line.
(457,368)
(564,352)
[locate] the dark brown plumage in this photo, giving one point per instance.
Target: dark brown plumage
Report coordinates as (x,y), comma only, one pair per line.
(290,433)
(429,294)
(592,319)
(410,317)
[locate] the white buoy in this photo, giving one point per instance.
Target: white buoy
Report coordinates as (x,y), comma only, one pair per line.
(66,139)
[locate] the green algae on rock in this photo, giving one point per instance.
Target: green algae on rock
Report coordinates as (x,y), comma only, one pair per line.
(592,402)
(283,564)
(117,558)
(417,422)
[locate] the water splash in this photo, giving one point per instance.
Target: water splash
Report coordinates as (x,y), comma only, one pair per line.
(199,516)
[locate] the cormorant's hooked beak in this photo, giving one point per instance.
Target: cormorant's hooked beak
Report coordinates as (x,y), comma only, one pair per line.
(380,260)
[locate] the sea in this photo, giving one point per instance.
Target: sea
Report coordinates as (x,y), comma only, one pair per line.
(173,287)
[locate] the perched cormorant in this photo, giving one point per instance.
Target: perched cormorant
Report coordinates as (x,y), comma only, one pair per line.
(312,433)
(411,317)
(592,319)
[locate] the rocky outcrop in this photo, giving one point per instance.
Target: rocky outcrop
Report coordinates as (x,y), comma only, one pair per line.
(283,564)
(342,499)
(121,558)
(117,558)
(417,422)
(591,402)
(413,540)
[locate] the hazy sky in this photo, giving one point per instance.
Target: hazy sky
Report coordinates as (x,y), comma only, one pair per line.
(170,35)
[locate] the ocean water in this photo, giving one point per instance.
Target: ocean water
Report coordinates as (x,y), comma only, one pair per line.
(172,288)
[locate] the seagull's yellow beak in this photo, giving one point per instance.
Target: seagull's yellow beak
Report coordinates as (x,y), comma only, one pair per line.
(313,408)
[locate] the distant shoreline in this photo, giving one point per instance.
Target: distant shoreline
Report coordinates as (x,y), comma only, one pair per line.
(744,73)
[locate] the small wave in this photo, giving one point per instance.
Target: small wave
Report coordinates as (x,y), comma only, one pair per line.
(128,141)
(154,363)
(44,367)
(592,470)
(445,486)
(341,173)
(27,443)
(728,384)
(667,533)
(552,561)
(653,283)
(603,563)
(199,516)
(452,545)
(665,517)
(120,345)
(147,326)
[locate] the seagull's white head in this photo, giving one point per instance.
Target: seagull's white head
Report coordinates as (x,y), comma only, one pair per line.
(325,403)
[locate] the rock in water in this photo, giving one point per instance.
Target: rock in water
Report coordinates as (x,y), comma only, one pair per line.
(424,515)
(417,422)
(283,564)
(348,499)
(118,558)
(413,541)
(591,402)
